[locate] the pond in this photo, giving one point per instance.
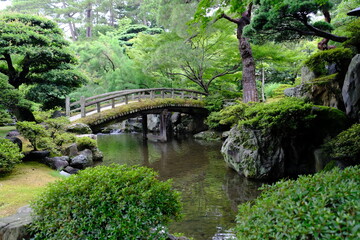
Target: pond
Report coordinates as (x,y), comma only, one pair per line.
(210,190)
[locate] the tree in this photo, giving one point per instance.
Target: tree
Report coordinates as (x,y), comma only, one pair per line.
(34,53)
(201,58)
(283,20)
(244,9)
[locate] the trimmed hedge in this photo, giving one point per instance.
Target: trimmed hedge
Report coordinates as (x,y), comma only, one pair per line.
(116,202)
(321,206)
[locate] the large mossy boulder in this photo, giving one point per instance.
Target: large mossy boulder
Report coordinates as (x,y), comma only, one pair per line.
(351,89)
(279,139)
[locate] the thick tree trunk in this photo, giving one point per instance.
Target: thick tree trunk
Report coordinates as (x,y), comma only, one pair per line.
(250,93)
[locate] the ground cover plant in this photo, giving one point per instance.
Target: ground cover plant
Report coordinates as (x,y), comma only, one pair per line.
(115,202)
(321,206)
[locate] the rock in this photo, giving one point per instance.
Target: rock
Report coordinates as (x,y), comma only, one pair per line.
(225,135)
(17,141)
(71,170)
(63,173)
(253,154)
(79,128)
(97,155)
(92,136)
(208,136)
(83,160)
(13,133)
(15,227)
(172,237)
(71,150)
(57,114)
(36,156)
(307,75)
(57,163)
(153,122)
(351,89)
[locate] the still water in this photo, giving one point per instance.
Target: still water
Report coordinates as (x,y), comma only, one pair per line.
(210,190)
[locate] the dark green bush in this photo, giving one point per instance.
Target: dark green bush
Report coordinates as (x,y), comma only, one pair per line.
(323,206)
(116,202)
(9,155)
(86,143)
(33,132)
(346,145)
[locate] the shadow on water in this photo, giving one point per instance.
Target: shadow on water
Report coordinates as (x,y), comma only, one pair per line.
(210,190)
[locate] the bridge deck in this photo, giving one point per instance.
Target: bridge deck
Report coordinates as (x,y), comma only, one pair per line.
(96,104)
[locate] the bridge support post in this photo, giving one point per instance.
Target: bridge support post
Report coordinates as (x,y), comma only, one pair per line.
(82,106)
(67,106)
(144,126)
(164,118)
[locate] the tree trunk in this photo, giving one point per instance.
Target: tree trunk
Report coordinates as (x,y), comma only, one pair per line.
(72,31)
(89,21)
(263,84)
(250,93)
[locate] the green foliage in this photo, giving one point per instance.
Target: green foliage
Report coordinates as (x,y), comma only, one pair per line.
(276,90)
(227,116)
(284,20)
(32,131)
(353,30)
(5,117)
(85,143)
(292,115)
(323,206)
(34,53)
(318,61)
(50,135)
(116,202)
(9,155)
(346,145)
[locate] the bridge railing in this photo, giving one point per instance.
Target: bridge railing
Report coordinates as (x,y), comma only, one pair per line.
(113,99)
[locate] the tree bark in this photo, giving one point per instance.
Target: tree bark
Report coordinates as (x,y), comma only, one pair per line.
(323,44)
(89,21)
(250,93)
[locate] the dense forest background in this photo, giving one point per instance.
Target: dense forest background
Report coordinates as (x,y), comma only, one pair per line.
(203,45)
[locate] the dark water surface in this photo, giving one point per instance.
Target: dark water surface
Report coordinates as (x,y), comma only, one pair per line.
(210,190)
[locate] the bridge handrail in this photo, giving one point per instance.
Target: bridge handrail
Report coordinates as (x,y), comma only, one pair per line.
(112,96)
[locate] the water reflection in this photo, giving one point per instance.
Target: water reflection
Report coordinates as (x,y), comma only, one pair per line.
(210,191)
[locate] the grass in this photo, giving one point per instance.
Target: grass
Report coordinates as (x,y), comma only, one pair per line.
(25,182)
(5,129)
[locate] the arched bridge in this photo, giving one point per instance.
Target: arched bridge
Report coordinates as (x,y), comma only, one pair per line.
(105,108)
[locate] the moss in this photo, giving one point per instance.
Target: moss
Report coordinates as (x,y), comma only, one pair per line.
(323,80)
(318,61)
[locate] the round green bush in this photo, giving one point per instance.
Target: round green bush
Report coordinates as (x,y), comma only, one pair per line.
(115,202)
(86,143)
(9,155)
(322,206)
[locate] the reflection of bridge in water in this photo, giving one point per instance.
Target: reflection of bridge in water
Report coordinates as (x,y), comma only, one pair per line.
(100,110)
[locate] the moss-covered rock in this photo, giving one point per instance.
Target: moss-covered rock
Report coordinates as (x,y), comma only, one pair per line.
(279,139)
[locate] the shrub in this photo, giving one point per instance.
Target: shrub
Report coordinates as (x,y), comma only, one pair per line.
(323,206)
(346,145)
(294,116)
(9,155)
(86,143)
(318,61)
(32,131)
(116,202)
(227,116)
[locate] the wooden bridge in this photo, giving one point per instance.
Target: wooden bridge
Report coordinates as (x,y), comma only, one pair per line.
(104,108)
